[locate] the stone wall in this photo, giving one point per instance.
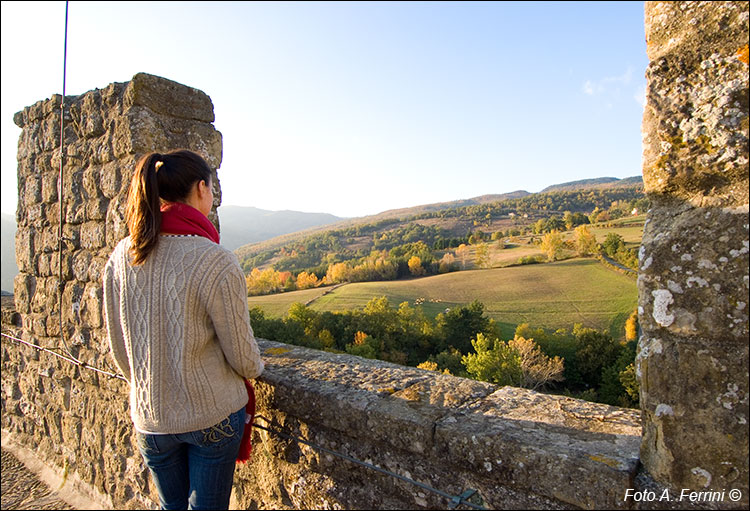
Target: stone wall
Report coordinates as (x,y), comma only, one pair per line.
(693,283)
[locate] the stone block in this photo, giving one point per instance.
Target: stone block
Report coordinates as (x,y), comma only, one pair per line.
(92,311)
(92,235)
(25,250)
(693,284)
(526,439)
(80,263)
(145,131)
(96,269)
(116,224)
(72,235)
(96,209)
(110,179)
(32,189)
(71,302)
(311,378)
(24,287)
(694,393)
(167,97)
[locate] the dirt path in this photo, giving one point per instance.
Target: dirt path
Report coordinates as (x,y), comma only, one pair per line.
(21,489)
(328,290)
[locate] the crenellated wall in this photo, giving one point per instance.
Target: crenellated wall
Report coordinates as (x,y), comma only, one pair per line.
(517,448)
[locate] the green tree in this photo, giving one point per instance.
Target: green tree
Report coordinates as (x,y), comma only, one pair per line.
(460,325)
(596,350)
(612,243)
(629,382)
(494,361)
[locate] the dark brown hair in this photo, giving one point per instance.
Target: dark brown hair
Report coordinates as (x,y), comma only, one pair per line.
(158,176)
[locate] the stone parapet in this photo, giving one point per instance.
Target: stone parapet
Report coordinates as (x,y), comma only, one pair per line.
(517,447)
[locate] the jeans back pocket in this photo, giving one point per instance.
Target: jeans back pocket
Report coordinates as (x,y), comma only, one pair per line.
(222,433)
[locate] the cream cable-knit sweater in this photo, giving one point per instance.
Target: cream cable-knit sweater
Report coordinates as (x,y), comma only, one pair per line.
(179,331)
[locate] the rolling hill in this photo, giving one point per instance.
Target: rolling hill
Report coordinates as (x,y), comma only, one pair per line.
(436,224)
(554,295)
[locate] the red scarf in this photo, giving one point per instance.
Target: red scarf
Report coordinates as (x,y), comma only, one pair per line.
(179,218)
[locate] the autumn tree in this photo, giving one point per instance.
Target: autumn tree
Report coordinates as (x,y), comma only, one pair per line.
(585,241)
(338,272)
(428,365)
(482,256)
(447,263)
(631,327)
(537,369)
(462,251)
(415,266)
(552,245)
(263,282)
(307,280)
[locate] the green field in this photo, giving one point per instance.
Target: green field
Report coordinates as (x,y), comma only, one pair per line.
(553,295)
(277,305)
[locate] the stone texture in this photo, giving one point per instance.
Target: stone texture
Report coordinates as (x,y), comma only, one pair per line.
(519,448)
(693,281)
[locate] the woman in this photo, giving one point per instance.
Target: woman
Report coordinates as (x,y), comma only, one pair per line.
(179,330)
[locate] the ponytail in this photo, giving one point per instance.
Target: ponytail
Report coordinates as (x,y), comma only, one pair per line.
(143,211)
(157,176)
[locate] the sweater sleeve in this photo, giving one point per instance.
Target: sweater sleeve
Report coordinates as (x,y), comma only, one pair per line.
(231,319)
(113,320)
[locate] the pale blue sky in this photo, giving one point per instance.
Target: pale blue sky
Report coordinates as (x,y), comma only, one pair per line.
(353,108)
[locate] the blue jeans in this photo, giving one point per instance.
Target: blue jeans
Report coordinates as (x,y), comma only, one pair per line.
(195,468)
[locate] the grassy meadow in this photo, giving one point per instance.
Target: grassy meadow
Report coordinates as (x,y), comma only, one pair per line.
(553,295)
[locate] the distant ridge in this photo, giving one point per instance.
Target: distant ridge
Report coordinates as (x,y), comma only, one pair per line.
(242,225)
(275,242)
(404,213)
(599,182)
(437,206)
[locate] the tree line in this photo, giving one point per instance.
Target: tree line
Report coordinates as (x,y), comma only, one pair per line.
(315,252)
(395,250)
(463,341)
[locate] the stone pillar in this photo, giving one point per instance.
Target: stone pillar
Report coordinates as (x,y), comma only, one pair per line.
(693,281)
(105,133)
